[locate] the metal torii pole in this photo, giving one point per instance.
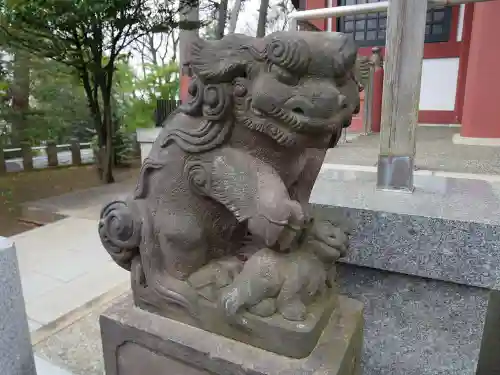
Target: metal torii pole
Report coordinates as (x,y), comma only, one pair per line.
(401,92)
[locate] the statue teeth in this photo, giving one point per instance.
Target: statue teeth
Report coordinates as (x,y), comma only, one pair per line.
(257,112)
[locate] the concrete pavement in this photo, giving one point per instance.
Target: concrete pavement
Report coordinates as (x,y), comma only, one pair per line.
(64,266)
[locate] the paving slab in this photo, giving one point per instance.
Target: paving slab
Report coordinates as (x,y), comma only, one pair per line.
(83,203)
(78,347)
(63,266)
(435,151)
(44,367)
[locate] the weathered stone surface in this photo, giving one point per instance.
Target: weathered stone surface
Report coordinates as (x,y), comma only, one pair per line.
(220,219)
(27,154)
(16,354)
(295,339)
(137,342)
(416,326)
(52,154)
(426,268)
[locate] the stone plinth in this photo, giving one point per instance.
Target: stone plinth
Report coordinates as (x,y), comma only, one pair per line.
(427,268)
(137,342)
(16,354)
(294,339)
(146,137)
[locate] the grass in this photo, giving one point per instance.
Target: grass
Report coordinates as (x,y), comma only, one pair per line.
(20,187)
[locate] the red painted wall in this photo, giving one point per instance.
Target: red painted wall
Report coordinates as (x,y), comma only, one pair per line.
(317,4)
(481,110)
(464,60)
(452,48)
(184,83)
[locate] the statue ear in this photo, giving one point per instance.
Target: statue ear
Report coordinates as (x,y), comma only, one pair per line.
(220,61)
(345,60)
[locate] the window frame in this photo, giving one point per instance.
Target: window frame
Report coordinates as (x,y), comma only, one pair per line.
(443,37)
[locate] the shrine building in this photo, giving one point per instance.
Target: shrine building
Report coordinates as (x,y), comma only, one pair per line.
(460,72)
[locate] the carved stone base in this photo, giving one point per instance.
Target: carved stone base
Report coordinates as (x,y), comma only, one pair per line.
(137,342)
(295,339)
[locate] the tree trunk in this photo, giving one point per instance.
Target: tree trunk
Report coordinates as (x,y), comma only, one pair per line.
(235,12)
(105,84)
(92,93)
(261,26)
(221,19)
(20,97)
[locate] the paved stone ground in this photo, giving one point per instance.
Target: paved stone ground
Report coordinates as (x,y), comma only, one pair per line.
(77,347)
(435,151)
(63,266)
(85,204)
(44,367)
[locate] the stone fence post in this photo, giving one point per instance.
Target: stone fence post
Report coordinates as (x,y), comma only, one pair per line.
(16,353)
(76,156)
(3,167)
(27,153)
(52,154)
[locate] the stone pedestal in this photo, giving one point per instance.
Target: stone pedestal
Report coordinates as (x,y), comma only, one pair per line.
(16,354)
(137,342)
(146,137)
(427,268)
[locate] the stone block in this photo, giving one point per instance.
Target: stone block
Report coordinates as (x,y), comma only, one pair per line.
(3,167)
(295,339)
(16,354)
(416,326)
(137,342)
(425,265)
(27,153)
(76,154)
(52,154)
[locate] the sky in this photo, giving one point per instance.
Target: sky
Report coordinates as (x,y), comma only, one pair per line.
(247,23)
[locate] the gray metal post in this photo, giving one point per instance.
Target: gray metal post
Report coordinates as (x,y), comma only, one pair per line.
(403,69)
(16,353)
(368,92)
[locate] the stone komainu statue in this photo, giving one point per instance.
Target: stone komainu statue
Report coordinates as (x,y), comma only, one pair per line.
(220,213)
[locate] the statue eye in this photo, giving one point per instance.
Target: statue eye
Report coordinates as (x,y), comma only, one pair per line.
(285,76)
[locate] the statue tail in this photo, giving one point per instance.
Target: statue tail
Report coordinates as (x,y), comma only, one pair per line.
(120,232)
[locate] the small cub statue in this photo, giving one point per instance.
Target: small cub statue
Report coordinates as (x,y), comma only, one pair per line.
(220,216)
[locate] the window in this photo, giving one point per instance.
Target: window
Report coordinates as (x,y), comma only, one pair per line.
(369,29)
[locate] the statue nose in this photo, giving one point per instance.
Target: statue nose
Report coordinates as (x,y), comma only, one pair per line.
(342,101)
(319,108)
(300,106)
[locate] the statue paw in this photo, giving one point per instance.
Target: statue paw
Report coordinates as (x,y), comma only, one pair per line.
(281,228)
(265,308)
(214,276)
(230,301)
(329,240)
(293,310)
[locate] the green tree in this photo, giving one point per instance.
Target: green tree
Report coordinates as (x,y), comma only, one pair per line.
(89,36)
(59,110)
(137,94)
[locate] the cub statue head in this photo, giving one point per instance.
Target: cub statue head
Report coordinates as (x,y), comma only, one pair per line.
(291,86)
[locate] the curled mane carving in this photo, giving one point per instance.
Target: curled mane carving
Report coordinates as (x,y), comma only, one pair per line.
(216,65)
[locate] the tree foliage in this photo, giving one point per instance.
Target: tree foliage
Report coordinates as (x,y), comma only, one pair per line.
(89,36)
(137,92)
